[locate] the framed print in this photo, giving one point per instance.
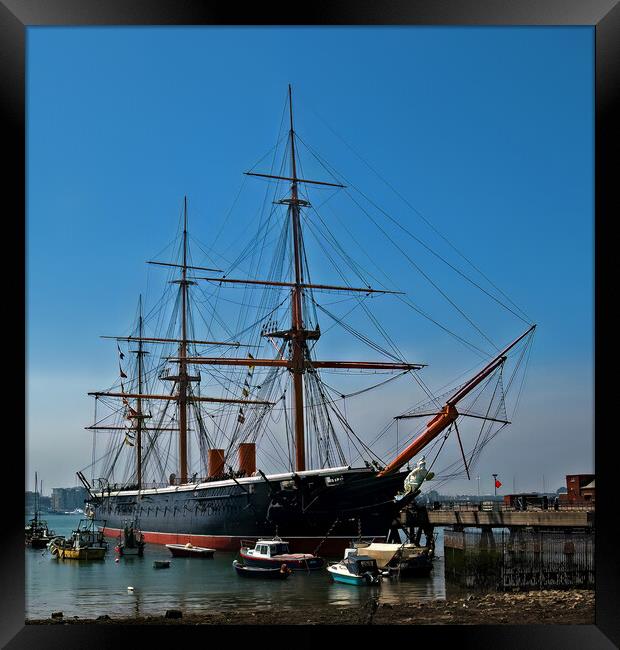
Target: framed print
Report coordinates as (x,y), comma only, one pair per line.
(353,385)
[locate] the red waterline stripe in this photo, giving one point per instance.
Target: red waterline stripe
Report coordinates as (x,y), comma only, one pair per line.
(230,543)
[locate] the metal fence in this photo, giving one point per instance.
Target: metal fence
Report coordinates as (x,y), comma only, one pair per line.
(587,506)
(519,559)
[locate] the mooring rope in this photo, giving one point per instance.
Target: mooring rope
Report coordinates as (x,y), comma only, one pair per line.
(316,550)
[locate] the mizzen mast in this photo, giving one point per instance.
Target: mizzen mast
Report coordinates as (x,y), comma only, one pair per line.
(140,353)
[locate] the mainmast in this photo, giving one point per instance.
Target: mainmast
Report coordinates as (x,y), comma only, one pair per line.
(183,378)
(298,362)
(298,341)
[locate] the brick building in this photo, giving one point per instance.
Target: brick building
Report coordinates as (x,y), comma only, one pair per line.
(580,487)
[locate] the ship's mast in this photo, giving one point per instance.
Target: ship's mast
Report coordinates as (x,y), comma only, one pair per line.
(298,342)
(183,379)
(140,354)
(36,497)
(299,362)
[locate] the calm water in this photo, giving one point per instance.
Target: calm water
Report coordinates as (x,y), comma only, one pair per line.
(89,589)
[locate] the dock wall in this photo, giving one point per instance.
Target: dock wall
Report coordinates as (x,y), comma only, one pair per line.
(519,559)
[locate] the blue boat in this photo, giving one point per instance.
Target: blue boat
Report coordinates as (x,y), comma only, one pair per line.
(356,570)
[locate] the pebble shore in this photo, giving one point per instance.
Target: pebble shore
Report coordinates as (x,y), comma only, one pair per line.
(569,607)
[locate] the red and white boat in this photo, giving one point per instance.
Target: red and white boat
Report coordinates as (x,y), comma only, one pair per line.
(270,553)
(189,550)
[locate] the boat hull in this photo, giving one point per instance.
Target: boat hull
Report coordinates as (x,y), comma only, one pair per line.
(260,573)
(135,551)
(313,511)
(348,578)
(78,554)
(161,564)
(180,550)
(296,564)
(38,542)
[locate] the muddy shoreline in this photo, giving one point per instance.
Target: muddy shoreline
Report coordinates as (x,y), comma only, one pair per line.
(570,607)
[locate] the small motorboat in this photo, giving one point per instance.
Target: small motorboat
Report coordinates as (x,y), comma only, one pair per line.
(131,541)
(269,573)
(356,569)
(161,564)
(86,543)
(189,550)
(272,553)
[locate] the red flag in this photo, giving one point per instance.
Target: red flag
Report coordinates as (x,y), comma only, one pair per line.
(498,484)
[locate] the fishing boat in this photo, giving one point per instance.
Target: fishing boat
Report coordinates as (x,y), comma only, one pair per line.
(262,573)
(86,542)
(356,569)
(189,550)
(223,423)
(130,541)
(37,533)
(269,553)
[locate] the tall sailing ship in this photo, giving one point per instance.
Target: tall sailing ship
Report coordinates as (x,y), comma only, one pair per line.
(186,461)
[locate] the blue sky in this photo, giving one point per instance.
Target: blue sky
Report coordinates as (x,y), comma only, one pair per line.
(488,132)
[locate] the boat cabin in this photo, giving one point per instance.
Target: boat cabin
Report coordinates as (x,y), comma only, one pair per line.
(269,548)
(360,564)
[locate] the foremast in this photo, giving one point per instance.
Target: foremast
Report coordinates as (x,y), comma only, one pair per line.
(182,379)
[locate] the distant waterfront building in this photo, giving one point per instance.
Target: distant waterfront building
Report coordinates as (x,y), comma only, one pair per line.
(580,487)
(589,492)
(67,499)
(45,503)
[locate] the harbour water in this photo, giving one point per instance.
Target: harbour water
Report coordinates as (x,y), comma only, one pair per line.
(91,589)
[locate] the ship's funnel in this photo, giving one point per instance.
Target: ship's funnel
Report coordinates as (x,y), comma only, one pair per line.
(215,462)
(247,458)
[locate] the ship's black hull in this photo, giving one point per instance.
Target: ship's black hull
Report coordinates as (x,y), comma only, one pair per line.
(326,508)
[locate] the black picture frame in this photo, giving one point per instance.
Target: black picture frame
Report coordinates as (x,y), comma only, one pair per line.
(603,15)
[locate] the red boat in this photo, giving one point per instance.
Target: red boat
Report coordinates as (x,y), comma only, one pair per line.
(270,553)
(189,550)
